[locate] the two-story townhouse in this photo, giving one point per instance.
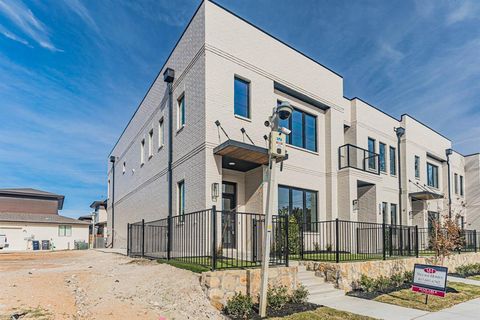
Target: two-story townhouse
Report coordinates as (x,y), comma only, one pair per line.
(197,139)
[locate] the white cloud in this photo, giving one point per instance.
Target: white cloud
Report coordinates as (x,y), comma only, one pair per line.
(13,37)
(466,10)
(79,9)
(26,21)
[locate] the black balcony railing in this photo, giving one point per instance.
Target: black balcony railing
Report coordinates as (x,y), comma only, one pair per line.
(350,156)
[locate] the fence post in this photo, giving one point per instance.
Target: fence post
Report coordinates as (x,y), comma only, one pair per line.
(416,241)
(337,242)
(169,237)
(390,240)
(128,240)
(143,238)
(285,218)
(302,240)
(384,240)
(475,239)
(214,237)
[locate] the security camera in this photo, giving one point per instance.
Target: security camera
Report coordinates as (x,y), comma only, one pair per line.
(285,131)
(284,110)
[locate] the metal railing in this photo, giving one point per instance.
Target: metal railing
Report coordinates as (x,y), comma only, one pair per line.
(468,241)
(350,156)
(210,238)
(339,240)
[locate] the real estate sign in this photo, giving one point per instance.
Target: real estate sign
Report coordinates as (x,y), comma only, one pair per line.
(430,280)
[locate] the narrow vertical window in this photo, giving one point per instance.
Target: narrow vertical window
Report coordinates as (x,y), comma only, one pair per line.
(241,98)
(150,144)
(384,212)
(124,167)
(161,133)
(432,175)
(181,112)
(455,181)
(142,152)
(181,199)
(371,154)
(417,167)
(383,161)
(393,163)
(393,214)
(461,185)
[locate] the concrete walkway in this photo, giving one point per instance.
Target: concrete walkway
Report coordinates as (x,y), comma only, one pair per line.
(469,310)
(374,309)
(463,280)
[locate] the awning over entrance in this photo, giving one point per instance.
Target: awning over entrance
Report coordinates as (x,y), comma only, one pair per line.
(241,156)
(425,195)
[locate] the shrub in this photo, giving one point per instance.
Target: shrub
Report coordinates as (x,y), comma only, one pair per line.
(397,279)
(240,306)
(468,270)
(383,284)
(299,295)
(367,284)
(277,297)
(408,276)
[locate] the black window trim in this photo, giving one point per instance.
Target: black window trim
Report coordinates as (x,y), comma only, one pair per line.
(380,144)
(248,83)
(394,163)
(304,198)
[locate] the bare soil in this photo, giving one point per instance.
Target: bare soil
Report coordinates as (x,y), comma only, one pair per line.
(96,285)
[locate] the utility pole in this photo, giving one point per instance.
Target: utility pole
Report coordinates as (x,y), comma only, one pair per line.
(276,153)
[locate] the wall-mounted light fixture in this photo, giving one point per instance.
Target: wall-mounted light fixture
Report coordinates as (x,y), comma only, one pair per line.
(215,191)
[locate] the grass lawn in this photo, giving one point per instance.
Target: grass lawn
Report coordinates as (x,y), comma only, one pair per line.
(324,313)
(477,277)
(202,264)
(406,298)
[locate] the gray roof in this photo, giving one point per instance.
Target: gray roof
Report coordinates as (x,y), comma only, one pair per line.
(38,218)
(98,203)
(34,193)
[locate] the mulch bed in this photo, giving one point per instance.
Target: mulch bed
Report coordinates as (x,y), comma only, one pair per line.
(288,309)
(374,294)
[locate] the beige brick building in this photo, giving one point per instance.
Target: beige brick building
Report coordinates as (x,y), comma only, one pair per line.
(345,159)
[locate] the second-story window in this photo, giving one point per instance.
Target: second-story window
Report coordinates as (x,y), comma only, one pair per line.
(241,98)
(417,167)
(142,152)
(455,183)
(150,144)
(432,175)
(124,167)
(161,133)
(304,130)
(383,160)
(461,185)
(371,154)
(181,112)
(393,164)
(181,199)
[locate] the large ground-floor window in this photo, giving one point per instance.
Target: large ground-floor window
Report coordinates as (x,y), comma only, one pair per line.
(299,202)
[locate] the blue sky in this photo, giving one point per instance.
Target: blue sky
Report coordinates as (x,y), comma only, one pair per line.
(73,72)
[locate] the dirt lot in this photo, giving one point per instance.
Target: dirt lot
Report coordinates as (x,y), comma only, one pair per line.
(97,285)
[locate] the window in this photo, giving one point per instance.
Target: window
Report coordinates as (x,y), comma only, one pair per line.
(433,218)
(417,167)
(384,212)
(393,164)
(142,152)
(161,133)
(181,198)
(383,161)
(181,112)
(241,98)
(108,188)
(371,155)
(300,203)
(150,144)
(304,129)
(64,231)
(124,167)
(461,185)
(393,214)
(456,183)
(432,175)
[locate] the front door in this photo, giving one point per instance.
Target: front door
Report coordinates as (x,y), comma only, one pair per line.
(229,217)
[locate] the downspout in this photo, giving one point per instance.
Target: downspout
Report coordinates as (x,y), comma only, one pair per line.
(448,152)
(112,160)
(168,77)
(400,132)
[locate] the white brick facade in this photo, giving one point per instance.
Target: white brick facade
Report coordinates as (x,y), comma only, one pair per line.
(216,47)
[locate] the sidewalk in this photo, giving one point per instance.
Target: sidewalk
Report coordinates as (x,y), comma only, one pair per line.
(469,310)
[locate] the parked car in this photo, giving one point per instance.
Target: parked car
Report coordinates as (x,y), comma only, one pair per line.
(3,241)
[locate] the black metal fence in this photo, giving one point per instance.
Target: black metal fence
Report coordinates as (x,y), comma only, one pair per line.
(210,238)
(228,239)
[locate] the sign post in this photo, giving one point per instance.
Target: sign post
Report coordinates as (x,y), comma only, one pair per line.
(430,280)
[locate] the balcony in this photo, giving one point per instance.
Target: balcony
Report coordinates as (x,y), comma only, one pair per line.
(350,156)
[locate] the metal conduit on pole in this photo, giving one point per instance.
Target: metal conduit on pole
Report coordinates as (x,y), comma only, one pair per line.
(400,131)
(448,153)
(168,77)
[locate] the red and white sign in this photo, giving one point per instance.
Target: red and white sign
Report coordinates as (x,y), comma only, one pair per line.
(431,280)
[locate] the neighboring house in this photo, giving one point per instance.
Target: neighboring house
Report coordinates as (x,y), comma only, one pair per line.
(345,161)
(101,230)
(30,221)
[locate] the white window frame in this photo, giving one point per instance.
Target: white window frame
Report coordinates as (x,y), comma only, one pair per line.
(124,167)
(181,199)
(150,144)
(161,133)
(142,152)
(181,110)
(64,230)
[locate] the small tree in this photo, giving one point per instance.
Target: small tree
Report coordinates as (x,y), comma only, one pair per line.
(446,238)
